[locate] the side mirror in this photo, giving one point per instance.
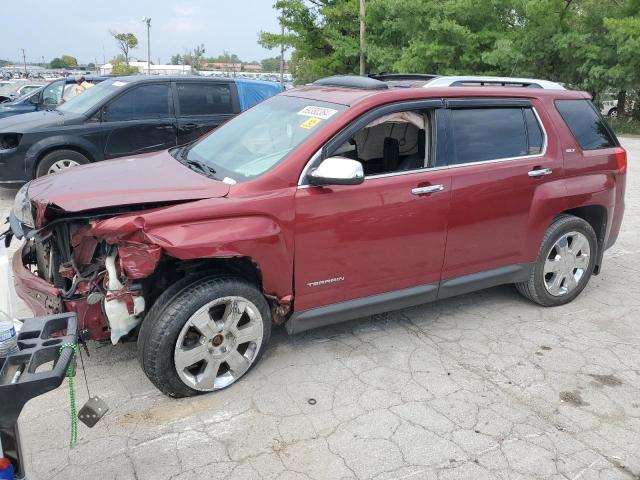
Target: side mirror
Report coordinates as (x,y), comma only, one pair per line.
(337,171)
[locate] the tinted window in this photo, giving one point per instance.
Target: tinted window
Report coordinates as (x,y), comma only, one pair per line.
(534,132)
(488,134)
(586,124)
(204,98)
(148,101)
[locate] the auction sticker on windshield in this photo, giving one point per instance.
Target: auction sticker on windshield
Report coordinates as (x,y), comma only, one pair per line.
(310,123)
(322,113)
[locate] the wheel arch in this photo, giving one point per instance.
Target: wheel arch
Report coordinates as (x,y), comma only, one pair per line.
(38,150)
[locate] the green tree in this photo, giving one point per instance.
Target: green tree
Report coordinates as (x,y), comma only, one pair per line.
(121,67)
(126,42)
(65,61)
(176,60)
(270,64)
(226,57)
(194,58)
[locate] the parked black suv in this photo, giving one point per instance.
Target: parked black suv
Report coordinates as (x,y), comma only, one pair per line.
(119,117)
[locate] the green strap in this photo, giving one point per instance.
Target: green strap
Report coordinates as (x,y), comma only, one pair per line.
(72,394)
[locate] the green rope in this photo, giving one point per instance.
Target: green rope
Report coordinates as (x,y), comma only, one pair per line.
(72,394)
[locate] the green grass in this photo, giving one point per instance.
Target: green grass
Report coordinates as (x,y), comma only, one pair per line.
(625,127)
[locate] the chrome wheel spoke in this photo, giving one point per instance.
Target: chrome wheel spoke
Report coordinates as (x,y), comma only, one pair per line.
(233,313)
(248,333)
(207,378)
(203,322)
(237,362)
(552,266)
(582,262)
(185,357)
(578,244)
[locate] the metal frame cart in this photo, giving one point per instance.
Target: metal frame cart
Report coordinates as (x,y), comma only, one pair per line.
(21,379)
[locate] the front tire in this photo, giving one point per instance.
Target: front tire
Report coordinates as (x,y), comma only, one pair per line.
(207,337)
(565,263)
(60,160)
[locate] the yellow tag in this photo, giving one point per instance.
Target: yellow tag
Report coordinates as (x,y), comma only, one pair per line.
(310,123)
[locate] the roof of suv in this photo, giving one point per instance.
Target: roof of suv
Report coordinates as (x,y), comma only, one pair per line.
(349,90)
(175,78)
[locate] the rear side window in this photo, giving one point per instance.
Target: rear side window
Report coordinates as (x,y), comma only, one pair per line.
(482,134)
(147,101)
(587,126)
(204,98)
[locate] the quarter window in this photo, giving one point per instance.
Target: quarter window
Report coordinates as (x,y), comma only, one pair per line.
(481,134)
(147,101)
(587,126)
(204,99)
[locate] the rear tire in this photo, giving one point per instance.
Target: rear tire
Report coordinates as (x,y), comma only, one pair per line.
(206,337)
(60,160)
(565,263)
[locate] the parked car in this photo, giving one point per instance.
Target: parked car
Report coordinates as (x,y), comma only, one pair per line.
(46,97)
(119,117)
(337,200)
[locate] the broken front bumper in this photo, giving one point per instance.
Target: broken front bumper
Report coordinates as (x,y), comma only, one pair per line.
(44,298)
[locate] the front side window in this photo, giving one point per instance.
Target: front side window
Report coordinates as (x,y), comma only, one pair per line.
(395,142)
(482,134)
(204,98)
(140,103)
(261,137)
(586,124)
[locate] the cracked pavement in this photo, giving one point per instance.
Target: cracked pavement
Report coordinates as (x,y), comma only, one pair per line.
(482,386)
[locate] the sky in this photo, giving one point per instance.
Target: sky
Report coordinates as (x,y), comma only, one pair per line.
(81,28)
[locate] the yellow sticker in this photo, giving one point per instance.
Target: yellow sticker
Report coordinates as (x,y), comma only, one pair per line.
(310,123)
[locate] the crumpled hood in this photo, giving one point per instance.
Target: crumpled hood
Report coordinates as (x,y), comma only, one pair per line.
(150,178)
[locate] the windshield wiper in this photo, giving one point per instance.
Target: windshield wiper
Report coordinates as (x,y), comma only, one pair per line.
(208,171)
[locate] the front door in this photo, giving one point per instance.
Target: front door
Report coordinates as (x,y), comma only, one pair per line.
(140,120)
(384,235)
(502,158)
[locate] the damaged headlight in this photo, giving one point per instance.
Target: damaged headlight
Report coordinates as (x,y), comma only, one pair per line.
(22,207)
(9,141)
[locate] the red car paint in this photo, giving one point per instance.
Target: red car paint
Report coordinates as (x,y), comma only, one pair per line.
(376,236)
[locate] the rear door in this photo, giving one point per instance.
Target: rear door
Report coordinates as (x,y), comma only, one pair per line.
(202,106)
(140,120)
(500,155)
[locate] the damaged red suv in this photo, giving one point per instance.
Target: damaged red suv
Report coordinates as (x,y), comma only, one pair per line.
(333,201)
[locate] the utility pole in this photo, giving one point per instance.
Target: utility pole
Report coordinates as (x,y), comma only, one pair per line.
(282,54)
(147,20)
(24,60)
(363,10)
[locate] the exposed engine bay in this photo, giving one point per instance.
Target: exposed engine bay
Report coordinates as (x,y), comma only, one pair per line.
(93,274)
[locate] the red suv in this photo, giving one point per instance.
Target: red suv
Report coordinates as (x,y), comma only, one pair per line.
(337,200)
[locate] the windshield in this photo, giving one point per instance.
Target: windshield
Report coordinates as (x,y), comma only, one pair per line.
(261,137)
(81,104)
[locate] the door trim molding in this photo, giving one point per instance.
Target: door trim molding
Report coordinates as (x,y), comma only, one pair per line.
(361,307)
(405,298)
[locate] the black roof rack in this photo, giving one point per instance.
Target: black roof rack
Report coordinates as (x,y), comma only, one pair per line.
(352,81)
(402,76)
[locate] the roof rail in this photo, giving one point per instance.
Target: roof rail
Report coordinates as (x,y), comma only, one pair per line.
(482,81)
(352,81)
(402,76)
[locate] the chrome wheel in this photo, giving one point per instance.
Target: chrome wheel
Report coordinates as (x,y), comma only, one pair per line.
(62,165)
(566,263)
(218,343)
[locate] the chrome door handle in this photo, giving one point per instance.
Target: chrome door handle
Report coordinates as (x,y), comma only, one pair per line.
(540,173)
(429,189)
